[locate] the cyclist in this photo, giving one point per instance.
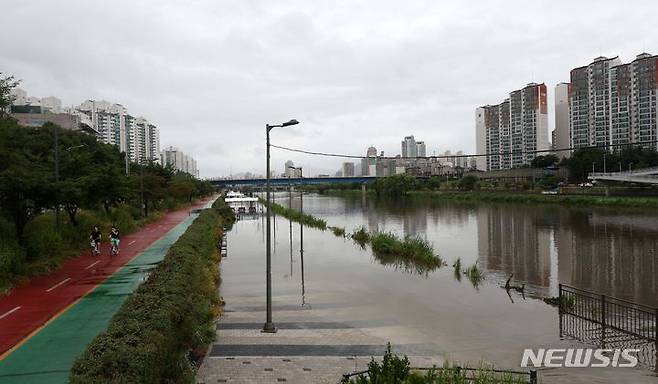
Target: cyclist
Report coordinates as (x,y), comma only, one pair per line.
(95,238)
(114,240)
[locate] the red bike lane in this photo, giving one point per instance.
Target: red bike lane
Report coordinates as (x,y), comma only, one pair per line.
(28,307)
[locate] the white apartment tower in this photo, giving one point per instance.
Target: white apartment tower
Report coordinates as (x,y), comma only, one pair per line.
(611,103)
(138,138)
(510,133)
(179,160)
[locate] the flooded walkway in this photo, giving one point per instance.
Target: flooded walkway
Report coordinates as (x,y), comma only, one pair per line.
(357,304)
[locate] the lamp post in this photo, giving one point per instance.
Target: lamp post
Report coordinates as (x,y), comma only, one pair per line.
(269,326)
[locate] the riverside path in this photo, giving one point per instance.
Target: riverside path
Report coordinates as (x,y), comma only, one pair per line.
(49,321)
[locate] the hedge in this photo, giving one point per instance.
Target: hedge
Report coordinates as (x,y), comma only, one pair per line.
(162,330)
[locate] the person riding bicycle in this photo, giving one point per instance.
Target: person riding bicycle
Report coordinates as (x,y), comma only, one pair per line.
(95,237)
(115,238)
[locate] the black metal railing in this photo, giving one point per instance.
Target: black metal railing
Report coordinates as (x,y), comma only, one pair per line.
(609,322)
(470,374)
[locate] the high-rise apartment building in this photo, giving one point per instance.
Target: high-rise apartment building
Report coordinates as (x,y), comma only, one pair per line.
(511,132)
(420,149)
(561,136)
(611,103)
(179,160)
(135,136)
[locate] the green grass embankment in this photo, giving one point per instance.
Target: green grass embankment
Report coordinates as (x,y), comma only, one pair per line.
(531,198)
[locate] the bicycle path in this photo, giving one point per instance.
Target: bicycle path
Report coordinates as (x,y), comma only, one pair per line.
(59,314)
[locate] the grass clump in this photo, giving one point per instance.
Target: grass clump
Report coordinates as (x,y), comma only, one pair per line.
(394,369)
(338,231)
(474,275)
(412,248)
(296,216)
(361,236)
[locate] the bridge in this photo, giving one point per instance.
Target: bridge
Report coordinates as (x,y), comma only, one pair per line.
(284,181)
(640,176)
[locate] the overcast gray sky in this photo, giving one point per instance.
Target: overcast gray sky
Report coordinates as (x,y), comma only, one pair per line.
(210,74)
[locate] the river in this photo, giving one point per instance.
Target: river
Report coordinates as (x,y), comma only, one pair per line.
(603,250)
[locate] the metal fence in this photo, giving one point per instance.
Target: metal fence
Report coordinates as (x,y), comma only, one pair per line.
(609,322)
(470,374)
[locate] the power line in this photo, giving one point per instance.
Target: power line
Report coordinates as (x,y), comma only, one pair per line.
(520,152)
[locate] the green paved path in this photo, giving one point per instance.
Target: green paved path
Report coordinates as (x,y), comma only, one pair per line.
(49,355)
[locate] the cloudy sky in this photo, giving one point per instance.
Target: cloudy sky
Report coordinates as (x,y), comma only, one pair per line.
(211,73)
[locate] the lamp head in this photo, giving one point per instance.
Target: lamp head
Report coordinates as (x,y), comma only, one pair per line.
(289,123)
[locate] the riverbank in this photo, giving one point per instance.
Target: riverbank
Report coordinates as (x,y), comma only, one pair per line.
(534,198)
(516,197)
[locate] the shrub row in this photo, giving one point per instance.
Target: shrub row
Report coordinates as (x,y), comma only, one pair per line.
(161,331)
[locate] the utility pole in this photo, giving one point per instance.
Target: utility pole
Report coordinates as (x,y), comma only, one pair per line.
(141,186)
(56,132)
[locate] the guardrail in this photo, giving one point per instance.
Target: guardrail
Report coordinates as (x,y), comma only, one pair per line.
(469,373)
(616,320)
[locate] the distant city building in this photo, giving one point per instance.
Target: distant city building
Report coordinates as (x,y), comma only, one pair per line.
(369,163)
(611,103)
(420,148)
(291,171)
(35,112)
(348,169)
(510,132)
(409,148)
(179,160)
(135,136)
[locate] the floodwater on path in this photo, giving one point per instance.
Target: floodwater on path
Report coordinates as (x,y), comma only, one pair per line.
(441,312)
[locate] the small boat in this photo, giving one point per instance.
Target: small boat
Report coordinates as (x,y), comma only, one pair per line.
(241,203)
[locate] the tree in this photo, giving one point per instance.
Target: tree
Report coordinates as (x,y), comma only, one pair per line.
(468,183)
(544,161)
(7,83)
(25,171)
(396,185)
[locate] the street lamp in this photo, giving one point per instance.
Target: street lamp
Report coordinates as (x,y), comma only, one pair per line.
(269,326)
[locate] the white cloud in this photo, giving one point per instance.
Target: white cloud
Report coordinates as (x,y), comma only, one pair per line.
(355,73)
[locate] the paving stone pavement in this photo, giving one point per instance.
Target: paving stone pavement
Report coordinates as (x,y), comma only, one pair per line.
(344,348)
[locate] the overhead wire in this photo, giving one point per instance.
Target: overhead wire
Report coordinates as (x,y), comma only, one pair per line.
(519,152)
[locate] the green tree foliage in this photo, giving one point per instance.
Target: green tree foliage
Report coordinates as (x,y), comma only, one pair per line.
(544,161)
(583,161)
(468,183)
(7,83)
(91,177)
(396,185)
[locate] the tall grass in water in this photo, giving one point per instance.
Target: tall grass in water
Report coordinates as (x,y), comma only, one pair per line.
(410,248)
(296,216)
(338,231)
(397,370)
(474,275)
(361,236)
